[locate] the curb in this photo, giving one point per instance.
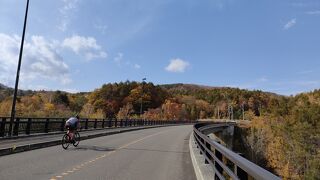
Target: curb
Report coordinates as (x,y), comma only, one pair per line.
(21,136)
(29,147)
(203,171)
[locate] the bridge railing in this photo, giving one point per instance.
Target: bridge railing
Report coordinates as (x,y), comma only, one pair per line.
(29,126)
(225,163)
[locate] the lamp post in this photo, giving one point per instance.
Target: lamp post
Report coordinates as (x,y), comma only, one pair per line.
(13,109)
(242,107)
(143,81)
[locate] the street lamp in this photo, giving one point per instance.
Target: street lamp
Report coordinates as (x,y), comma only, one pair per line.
(242,107)
(143,81)
(13,110)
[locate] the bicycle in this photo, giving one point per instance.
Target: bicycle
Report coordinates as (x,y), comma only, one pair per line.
(66,140)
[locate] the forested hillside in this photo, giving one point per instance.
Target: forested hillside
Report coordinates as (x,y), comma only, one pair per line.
(125,99)
(288,136)
(285,131)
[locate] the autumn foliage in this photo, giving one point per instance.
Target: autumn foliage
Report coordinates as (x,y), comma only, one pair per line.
(284,131)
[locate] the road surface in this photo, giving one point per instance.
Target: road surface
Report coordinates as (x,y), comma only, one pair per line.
(159,153)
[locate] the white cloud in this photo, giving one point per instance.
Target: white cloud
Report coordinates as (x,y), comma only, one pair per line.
(290,24)
(313,12)
(86,46)
(177,65)
(305,72)
(120,61)
(101,28)
(40,60)
(311,83)
(118,58)
(137,66)
(263,79)
(69,6)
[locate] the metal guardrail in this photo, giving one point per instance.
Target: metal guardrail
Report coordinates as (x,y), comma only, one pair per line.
(45,125)
(226,163)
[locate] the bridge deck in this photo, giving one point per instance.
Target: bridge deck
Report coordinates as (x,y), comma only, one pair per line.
(159,153)
(44,138)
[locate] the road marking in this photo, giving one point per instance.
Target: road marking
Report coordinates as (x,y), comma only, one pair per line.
(108,154)
(134,142)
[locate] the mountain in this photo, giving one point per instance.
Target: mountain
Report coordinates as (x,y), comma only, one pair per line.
(4,87)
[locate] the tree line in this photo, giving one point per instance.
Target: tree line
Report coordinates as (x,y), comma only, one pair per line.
(284,130)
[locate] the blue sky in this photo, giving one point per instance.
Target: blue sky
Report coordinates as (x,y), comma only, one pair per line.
(78,45)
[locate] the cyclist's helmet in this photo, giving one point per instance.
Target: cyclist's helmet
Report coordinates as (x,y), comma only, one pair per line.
(77,116)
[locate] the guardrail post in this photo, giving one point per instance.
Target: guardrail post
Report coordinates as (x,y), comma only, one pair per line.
(86,124)
(62,124)
(219,156)
(115,123)
(2,127)
(46,126)
(16,127)
(121,121)
(103,122)
(110,123)
(28,126)
(207,154)
(95,124)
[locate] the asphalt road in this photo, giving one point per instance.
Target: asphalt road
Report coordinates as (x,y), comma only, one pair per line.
(159,153)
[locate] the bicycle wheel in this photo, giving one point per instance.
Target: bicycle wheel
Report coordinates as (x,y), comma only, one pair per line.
(65,141)
(76,139)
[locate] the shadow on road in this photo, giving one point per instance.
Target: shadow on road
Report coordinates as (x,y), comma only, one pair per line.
(93,148)
(156,150)
(101,148)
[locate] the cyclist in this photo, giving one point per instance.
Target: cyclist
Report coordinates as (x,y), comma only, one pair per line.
(72,124)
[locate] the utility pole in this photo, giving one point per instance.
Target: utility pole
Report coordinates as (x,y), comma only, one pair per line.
(260,109)
(13,110)
(230,112)
(143,81)
(242,107)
